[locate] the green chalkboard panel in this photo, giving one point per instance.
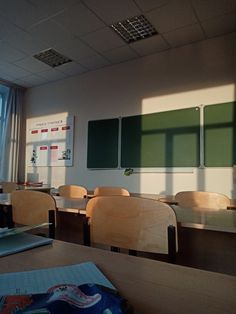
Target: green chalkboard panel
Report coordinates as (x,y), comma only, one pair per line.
(103,143)
(165,139)
(220,135)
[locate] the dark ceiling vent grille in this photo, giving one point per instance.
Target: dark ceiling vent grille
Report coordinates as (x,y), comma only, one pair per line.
(52,58)
(135,28)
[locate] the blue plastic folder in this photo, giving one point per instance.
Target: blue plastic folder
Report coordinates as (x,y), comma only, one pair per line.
(21,242)
(79,288)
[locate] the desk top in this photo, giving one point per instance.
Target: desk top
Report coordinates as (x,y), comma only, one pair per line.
(223,220)
(72,205)
(150,286)
(43,188)
(170,199)
(204,218)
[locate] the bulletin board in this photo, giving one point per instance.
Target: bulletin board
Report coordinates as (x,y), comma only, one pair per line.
(50,142)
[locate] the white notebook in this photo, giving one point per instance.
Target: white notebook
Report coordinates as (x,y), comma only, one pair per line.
(39,281)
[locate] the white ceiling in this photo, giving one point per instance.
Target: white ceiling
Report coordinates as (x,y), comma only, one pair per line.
(80,30)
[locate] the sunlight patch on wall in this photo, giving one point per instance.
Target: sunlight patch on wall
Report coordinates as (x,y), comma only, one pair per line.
(186,99)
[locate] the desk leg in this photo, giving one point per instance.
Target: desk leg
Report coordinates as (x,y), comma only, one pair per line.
(6,219)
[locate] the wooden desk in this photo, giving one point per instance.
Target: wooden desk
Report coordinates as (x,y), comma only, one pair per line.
(150,286)
(223,220)
(198,218)
(5,211)
(43,188)
(71,205)
(170,199)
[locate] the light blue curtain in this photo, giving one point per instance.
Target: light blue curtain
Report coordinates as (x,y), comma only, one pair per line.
(10,135)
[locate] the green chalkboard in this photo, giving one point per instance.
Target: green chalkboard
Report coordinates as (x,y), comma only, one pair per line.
(103,143)
(165,139)
(220,135)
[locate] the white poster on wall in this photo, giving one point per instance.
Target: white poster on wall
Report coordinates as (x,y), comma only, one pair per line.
(50,143)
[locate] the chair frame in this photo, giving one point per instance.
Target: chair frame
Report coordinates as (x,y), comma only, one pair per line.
(48,212)
(171,228)
(202,199)
(72,191)
(110,191)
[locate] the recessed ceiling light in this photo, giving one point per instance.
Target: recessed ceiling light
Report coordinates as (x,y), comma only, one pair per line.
(135,28)
(52,57)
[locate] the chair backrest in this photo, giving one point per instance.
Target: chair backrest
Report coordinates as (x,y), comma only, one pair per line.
(72,191)
(110,190)
(132,223)
(8,187)
(202,199)
(33,207)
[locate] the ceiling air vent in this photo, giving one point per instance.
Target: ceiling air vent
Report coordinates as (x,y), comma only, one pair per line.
(135,28)
(52,57)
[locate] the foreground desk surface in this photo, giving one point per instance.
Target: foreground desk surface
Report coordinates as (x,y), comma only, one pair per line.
(150,286)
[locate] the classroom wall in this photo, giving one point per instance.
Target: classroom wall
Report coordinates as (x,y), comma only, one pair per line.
(200,73)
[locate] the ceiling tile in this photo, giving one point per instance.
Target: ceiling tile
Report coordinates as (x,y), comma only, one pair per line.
(52,75)
(52,7)
(22,83)
(111,11)
(31,80)
(13,70)
(72,68)
(20,38)
(221,25)
(174,15)
(50,32)
(32,65)
(147,5)
(120,54)
(6,76)
(212,8)
(8,53)
(184,35)
(94,62)
(79,29)
(22,13)
(103,39)
(149,45)
(79,20)
(74,49)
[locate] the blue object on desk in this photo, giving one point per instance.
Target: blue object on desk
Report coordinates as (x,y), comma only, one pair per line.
(21,242)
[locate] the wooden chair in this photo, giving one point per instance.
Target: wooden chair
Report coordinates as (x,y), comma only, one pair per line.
(8,187)
(33,207)
(202,199)
(132,223)
(72,191)
(109,191)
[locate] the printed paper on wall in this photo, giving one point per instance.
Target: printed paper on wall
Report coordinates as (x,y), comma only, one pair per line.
(50,143)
